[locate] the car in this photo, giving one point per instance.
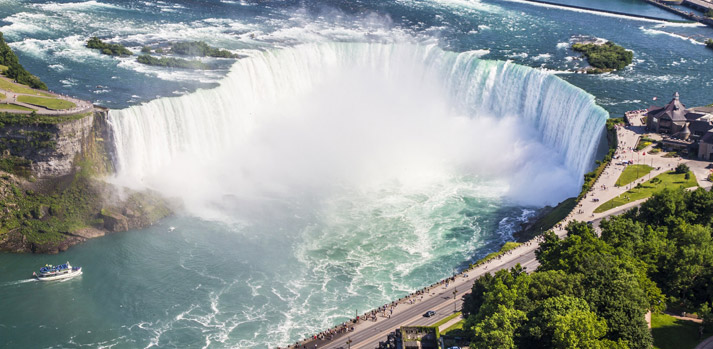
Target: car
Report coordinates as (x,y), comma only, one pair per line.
(429,313)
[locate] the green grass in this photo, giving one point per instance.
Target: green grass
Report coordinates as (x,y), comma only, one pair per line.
(14,107)
(49,103)
(3,68)
(17,88)
(446,319)
(672,333)
(455,327)
(644,142)
(645,190)
(507,247)
(555,216)
(632,173)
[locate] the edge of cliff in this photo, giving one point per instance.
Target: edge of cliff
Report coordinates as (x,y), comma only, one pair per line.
(52,189)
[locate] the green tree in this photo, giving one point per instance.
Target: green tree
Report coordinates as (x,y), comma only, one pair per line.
(497,330)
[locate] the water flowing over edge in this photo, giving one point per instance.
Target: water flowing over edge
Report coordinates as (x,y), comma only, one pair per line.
(150,135)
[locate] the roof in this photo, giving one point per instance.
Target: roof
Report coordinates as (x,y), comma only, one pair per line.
(674,110)
(708,138)
(703,110)
(699,126)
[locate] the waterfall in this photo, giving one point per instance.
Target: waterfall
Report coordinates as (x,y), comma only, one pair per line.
(151,135)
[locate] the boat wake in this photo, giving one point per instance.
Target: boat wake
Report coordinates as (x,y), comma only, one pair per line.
(18,282)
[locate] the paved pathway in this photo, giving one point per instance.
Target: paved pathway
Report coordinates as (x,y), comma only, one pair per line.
(706,344)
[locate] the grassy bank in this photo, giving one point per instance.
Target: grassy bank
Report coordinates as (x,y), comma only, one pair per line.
(8,106)
(672,333)
(49,103)
(645,190)
(17,88)
(504,249)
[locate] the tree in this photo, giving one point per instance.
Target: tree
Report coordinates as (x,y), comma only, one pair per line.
(497,330)
(682,168)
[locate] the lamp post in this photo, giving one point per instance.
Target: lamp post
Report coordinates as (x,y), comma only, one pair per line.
(349,343)
(455,304)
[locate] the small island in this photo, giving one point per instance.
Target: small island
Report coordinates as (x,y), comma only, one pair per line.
(200,49)
(108,49)
(171,62)
(604,57)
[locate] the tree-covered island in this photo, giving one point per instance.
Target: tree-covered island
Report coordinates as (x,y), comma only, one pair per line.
(108,49)
(605,57)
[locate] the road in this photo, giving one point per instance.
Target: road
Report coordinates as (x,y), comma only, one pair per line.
(439,299)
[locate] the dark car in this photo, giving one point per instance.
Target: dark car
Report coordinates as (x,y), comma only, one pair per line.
(429,313)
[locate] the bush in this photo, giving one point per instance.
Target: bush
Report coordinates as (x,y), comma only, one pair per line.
(145,49)
(682,168)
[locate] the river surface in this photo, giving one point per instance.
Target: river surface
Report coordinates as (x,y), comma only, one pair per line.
(361,150)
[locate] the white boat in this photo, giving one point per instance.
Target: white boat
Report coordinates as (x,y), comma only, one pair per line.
(57,272)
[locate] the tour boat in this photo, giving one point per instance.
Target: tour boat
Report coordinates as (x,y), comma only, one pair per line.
(57,272)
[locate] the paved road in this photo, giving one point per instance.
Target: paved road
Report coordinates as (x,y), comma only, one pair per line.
(439,299)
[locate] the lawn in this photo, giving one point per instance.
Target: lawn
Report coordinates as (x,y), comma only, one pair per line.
(17,88)
(632,173)
(49,103)
(5,106)
(457,326)
(673,333)
(651,187)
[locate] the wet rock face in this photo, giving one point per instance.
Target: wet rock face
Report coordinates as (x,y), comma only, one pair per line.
(114,222)
(69,139)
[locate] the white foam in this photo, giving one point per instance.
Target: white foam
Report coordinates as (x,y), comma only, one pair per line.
(76,6)
(594,12)
(673,35)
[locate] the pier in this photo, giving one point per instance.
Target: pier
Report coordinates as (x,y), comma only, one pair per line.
(689,15)
(601,10)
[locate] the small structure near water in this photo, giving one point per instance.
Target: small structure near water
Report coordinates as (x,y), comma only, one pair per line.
(689,130)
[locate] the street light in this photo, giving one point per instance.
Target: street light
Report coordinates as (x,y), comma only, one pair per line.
(455,304)
(349,343)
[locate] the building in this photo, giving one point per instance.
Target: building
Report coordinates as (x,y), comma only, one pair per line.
(688,130)
(420,337)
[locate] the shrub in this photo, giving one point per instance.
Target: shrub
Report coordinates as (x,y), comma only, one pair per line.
(682,168)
